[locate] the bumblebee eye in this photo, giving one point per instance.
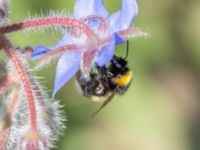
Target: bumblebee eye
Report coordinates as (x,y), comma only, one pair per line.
(99,89)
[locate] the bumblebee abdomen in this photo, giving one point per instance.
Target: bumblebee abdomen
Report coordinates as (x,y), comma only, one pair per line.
(124,79)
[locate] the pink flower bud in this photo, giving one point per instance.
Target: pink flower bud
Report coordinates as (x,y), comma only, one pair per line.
(32,140)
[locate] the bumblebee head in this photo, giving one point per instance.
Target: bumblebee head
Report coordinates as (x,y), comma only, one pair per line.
(118,65)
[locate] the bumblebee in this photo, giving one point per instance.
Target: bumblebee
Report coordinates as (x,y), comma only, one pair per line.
(109,80)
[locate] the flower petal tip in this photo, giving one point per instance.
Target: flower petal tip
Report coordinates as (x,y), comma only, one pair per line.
(39,51)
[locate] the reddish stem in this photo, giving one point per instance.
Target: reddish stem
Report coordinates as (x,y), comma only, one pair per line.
(26,84)
(34,23)
(61,49)
(23,74)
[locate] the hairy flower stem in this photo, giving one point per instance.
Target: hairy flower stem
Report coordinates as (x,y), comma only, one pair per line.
(26,84)
(23,75)
(60,50)
(35,23)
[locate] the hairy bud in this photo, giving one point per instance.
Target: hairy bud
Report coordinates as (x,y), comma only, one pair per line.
(32,140)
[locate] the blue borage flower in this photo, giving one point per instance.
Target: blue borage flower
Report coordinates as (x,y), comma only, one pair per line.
(116,24)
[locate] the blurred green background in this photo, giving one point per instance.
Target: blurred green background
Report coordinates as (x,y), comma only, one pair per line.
(161,109)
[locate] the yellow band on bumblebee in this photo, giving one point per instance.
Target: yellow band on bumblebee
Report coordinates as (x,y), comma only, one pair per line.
(125,79)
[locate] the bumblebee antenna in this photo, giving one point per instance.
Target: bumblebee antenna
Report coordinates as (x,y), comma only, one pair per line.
(127,49)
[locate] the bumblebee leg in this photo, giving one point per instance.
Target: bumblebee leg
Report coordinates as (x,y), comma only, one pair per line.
(103,105)
(101,71)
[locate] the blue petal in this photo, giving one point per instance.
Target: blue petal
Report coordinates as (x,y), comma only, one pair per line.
(39,51)
(67,66)
(85,8)
(123,18)
(106,53)
(66,39)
